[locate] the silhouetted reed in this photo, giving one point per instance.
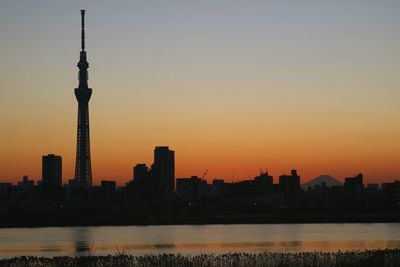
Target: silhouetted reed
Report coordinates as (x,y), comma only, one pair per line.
(381,258)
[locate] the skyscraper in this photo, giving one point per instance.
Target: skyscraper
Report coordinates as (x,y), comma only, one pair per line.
(140,173)
(290,184)
(163,171)
(51,172)
(354,184)
(83,168)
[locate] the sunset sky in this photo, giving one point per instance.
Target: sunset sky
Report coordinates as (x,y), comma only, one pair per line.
(231,86)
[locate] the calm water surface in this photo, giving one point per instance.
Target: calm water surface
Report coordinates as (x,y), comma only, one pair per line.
(194,239)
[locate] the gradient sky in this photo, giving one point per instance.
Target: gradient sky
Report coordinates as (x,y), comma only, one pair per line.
(231,86)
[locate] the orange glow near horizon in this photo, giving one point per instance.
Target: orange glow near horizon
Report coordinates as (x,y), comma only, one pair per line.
(233,157)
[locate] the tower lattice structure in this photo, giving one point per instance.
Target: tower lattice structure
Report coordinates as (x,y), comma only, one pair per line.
(83,168)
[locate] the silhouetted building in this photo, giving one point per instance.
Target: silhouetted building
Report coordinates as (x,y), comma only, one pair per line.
(51,172)
(140,188)
(108,185)
(83,167)
(241,189)
(26,184)
(218,187)
(354,184)
(163,171)
(392,192)
(263,183)
(108,188)
(141,173)
(372,188)
(70,189)
(189,188)
(289,185)
(218,182)
(5,190)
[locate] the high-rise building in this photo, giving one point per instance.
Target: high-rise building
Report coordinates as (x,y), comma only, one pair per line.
(51,171)
(140,188)
(354,184)
(289,185)
(83,168)
(263,183)
(163,171)
(141,173)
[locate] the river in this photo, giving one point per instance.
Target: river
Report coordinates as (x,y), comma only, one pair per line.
(195,239)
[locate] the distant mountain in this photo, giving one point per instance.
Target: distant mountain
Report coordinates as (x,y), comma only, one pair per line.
(327,179)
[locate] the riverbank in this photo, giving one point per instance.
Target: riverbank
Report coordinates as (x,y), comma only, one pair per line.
(382,258)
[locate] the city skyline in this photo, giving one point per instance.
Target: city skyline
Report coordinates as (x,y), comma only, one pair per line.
(161,172)
(229,112)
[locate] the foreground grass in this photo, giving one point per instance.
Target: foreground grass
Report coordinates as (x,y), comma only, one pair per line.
(380,258)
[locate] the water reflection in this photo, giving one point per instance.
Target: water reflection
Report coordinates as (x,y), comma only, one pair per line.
(82,241)
(164,246)
(51,249)
(139,240)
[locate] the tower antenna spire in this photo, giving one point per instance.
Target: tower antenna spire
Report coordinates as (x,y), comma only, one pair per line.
(83,30)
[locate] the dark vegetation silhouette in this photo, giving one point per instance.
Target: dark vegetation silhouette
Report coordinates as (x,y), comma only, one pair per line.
(371,258)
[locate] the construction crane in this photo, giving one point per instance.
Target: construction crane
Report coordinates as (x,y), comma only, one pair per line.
(204,174)
(262,171)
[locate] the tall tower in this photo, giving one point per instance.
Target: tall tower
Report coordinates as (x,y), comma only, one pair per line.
(83,168)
